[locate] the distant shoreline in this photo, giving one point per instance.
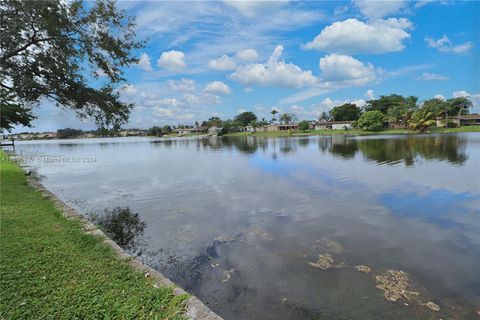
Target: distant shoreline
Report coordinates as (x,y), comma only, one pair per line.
(355,132)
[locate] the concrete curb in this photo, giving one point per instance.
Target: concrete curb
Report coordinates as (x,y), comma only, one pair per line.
(195,309)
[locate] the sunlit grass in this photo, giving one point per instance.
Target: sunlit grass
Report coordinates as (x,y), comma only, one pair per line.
(51,270)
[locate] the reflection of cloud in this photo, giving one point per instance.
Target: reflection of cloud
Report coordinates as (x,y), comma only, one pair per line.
(439,206)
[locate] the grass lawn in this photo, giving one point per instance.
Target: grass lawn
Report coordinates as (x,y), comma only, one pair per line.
(351,132)
(49,269)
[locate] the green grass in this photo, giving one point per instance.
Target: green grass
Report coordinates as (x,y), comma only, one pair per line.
(460,129)
(49,269)
(350,132)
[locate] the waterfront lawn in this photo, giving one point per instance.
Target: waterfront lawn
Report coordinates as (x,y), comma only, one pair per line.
(49,269)
(351,132)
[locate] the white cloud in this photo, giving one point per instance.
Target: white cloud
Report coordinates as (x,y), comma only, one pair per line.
(346,69)
(427,76)
(369,94)
(474,97)
(129,89)
(183,85)
(461,94)
(248,55)
(423,3)
(172,60)
(297,108)
(439,97)
(100,73)
(224,63)
(353,36)
(379,9)
(250,8)
(217,87)
(274,72)
(444,44)
(144,62)
(169,102)
(200,99)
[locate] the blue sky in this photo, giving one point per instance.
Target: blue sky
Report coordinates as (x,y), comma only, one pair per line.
(219,58)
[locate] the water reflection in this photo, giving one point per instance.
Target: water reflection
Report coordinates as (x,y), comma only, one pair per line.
(392,151)
(122,226)
(237,221)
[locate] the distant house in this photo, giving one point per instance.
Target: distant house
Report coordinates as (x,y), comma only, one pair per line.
(465,120)
(197,130)
(131,133)
(333,125)
(281,127)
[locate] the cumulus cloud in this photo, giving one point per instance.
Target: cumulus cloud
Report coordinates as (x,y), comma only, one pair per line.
(444,44)
(169,102)
(274,72)
(217,87)
(353,36)
(248,55)
(172,60)
(474,97)
(129,89)
(439,97)
(346,69)
(379,9)
(369,94)
(428,76)
(224,63)
(200,99)
(461,94)
(250,9)
(144,62)
(183,85)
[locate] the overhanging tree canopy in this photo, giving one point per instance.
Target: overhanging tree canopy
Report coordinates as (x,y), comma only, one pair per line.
(66,51)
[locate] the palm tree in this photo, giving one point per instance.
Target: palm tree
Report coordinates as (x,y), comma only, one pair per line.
(274,112)
(422,119)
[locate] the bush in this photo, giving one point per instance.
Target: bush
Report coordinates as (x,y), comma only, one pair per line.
(452,124)
(371,121)
(303,125)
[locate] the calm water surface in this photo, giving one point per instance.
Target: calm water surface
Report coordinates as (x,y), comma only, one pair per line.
(237,221)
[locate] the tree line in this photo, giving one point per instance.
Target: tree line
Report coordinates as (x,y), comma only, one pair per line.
(400,111)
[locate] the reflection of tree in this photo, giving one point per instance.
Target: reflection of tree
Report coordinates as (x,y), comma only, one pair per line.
(383,150)
(304,141)
(442,147)
(338,146)
(343,147)
(122,225)
(288,145)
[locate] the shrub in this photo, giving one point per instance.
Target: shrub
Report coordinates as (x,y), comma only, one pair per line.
(371,121)
(303,125)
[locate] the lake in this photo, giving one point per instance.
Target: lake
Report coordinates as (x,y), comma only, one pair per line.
(274,228)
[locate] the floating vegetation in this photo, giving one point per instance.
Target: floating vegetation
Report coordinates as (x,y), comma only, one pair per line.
(227,274)
(255,232)
(362,268)
(327,245)
(395,284)
(432,306)
(325,262)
